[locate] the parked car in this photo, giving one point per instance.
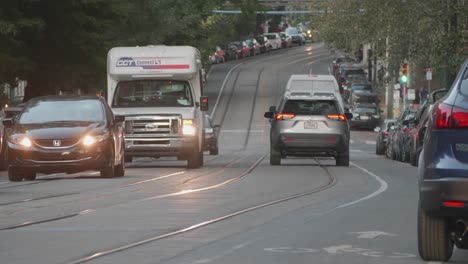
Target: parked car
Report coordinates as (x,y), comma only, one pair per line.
(362,93)
(218,56)
(398,135)
(354,78)
(296,36)
(8,113)
(239,50)
(263,43)
(254,47)
(286,40)
(382,135)
(274,40)
(310,121)
(211,136)
(347,70)
(339,60)
(443,175)
(82,134)
(418,125)
(365,115)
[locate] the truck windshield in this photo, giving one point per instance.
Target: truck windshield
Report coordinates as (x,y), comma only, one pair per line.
(153,93)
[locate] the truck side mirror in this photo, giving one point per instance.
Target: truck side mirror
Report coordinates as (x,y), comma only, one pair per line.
(204,103)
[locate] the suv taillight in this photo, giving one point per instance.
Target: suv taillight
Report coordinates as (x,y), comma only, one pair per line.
(337,117)
(447,116)
(284,116)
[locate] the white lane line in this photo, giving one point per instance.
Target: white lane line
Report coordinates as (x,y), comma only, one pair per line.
(356,150)
(383,187)
(329,70)
(369,142)
(222,254)
(315,61)
(209,72)
(222,89)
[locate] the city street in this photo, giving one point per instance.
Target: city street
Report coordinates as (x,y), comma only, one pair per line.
(237,208)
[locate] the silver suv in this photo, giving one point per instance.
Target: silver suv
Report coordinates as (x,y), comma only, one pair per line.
(309,125)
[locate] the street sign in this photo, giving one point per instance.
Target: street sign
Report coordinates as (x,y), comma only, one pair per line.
(396,99)
(429,74)
(411,94)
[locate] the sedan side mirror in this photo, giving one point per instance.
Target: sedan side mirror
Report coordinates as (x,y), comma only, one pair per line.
(8,122)
(268,115)
(119,118)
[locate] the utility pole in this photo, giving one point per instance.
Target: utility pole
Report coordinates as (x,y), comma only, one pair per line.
(390,81)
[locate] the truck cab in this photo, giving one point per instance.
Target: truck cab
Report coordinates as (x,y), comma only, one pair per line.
(159,90)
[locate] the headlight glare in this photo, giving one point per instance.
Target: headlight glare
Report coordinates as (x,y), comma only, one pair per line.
(25,142)
(189,130)
(88,140)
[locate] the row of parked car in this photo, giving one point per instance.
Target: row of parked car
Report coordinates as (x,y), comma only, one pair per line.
(358,93)
(401,139)
(257,45)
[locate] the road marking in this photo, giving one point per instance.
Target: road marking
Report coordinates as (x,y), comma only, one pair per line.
(329,70)
(4,182)
(369,142)
(356,150)
(315,61)
(343,249)
(291,250)
(371,234)
(307,58)
(351,141)
(223,254)
(383,187)
(222,89)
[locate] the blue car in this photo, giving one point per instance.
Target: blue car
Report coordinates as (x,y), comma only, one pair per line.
(443,175)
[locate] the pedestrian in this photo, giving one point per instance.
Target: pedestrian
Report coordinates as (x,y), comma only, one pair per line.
(422,95)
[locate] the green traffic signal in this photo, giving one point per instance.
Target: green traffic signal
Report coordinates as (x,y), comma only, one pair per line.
(404,79)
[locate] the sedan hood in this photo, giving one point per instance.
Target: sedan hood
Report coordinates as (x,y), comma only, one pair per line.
(186,112)
(59,130)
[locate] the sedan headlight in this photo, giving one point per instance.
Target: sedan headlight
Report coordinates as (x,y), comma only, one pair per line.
(188,127)
(21,140)
(89,140)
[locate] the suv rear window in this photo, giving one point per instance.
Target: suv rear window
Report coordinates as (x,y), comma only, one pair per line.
(464,83)
(312,85)
(310,107)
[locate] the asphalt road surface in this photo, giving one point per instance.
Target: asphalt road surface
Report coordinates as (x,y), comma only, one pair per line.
(237,208)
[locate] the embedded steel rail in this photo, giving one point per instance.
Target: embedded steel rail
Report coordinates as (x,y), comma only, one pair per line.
(331,182)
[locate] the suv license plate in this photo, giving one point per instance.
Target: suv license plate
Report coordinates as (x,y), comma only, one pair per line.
(364,117)
(309,124)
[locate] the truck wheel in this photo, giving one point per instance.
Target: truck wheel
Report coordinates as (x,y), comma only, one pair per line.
(275,156)
(195,159)
(214,151)
(342,159)
(128,159)
(434,243)
(14,175)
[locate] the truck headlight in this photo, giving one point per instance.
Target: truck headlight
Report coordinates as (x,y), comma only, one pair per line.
(188,128)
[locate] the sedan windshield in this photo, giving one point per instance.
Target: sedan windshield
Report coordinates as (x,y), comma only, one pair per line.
(365,110)
(153,93)
(61,111)
(292,31)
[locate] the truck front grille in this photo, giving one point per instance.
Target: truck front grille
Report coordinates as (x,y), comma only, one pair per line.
(152,125)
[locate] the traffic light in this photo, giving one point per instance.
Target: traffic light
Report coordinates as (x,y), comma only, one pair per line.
(404,73)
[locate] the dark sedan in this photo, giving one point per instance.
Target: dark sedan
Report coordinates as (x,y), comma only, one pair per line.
(65,134)
(365,116)
(211,136)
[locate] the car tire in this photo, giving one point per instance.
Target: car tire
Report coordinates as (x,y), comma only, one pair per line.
(214,151)
(195,158)
(404,156)
(379,149)
(120,169)
(29,176)
(342,159)
(434,242)
(275,156)
(15,175)
(412,159)
(109,170)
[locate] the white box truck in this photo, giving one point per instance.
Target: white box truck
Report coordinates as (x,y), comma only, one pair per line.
(159,90)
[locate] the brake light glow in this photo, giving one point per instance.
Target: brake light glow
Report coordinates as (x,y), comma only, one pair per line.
(447,116)
(284,116)
(336,117)
(385,133)
(453,204)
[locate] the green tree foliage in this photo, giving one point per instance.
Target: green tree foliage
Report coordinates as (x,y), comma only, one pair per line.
(430,32)
(63,44)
